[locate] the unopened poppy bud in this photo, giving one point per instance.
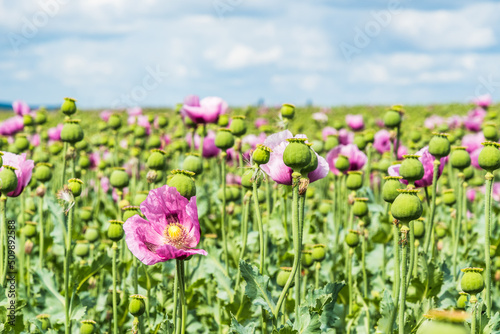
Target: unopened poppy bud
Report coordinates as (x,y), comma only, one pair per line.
(43,172)
(489,157)
(28,247)
(68,107)
(193,163)
(84,161)
(44,321)
(154,141)
(8,179)
(261,155)
(86,213)
(82,248)
(115,230)
(324,208)
(359,141)
(55,148)
(287,111)
(352,239)
(76,186)
(369,136)
(407,206)
(319,252)
(440,230)
(137,305)
(460,158)
(183,181)
(472,281)
(224,139)
(283,276)
(157,160)
(411,168)
(88,327)
(390,188)
(238,126)
(115,122)
(119,178)
(247,180)
(354,180)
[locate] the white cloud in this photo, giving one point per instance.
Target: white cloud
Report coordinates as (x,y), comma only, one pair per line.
(241,56)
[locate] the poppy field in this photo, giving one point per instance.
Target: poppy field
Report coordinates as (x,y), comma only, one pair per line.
(207,218)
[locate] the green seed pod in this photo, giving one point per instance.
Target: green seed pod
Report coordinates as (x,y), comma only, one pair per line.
(140,197)
(354,180)
(307,258)
(411,168)
(472,281)
(287,111)
(29,229)
(439,146)
(115,121)
(419,228)
(324,208)
(154,141)
(223,120)
(489,157)
(468,173)
(193,163)
(129,211)
(157,160)
(8,179)
(441,230)
(82,248)
(91,234)
(359,141)
(384,164)
(261,154)
(310,193)
(119,178)
(392,119)
(247,180)
(331,142)
(390,188)
(311,167)
(162,122)
(84,161)
(44,321)
(235,191)
(88,327)
(318,146)
(82,145)
(449,197)
(224,139)
(86,213)
(360,207)
(72,131)
(460,158)
(43,172)
(68,107)
(28,120)
(415,136)
(490,132)
(183,181)
(76,186)
(441,322)
(283,276)
(137,305)
(115,230)
(140,132)
(369,136)
(462,300)
(407,206)
(319,252)
(238,126)
(352,239)
(297,154)
(21,142)
(41,117)
(342,163)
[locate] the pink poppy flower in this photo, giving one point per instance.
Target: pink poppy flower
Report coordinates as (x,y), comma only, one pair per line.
(427,160)
(402,150)
(34,139)
(382,141)
(474,156)
(474,119)
(276,168)
(355,122)
(320,117)
(233,179)
(260,121)
(483,101)
(134,111)
(55,132)
(205,111)
(209,148)
(433,122)
(24,169)
(105,185)
(455,121)
(254,140)
(357,159)
(105,115)
(21,108)
(11,126)
(346,137)
(328,131)
(171,230)
(380,123)
(472,141)
(471,194)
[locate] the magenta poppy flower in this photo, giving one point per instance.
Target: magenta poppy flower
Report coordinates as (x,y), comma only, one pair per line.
(105,115)
(171,230)
(260,121)
(357,159)
(402,150)
(55,132)
(254,140)
(434,121)
(483,101)
(474,156)
(320,117)
(380,123)
(34,139)
(455,121)
(205,111)
(427,160)
(233,179)
(346,137)
(105,185)
(209,148)
(21,108)
(382,141)
(472,141)
(355,122)
(474,119)
(134,111)
(328,131)
(471,194)
(23,170)
(276,168)
(11,126)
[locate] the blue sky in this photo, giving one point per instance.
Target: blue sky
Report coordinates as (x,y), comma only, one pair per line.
(119,53)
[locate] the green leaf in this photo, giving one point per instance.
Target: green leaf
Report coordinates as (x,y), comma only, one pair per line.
(257,288)
(239,329)
(309,322)
(48,280)
(493,326)
(328,317)
(385,323)
(287,329)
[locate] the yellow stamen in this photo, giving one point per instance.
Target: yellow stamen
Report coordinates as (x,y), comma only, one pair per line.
(174,232)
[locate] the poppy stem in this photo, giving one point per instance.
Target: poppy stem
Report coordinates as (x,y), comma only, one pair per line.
(179,266)
(41,233)
(67,261)
(223,210)
(114,249)
(429,231)
(3,238)
(487,215)
(402,303)
(458,224)
(244,233)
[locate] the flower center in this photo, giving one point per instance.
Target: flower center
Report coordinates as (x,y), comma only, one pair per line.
(174,232)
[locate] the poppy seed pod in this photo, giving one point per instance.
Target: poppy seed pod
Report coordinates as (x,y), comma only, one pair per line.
(129,211)
(489,157)
(157,160)
(154,141)
(8,179)
(360,207)
(449,197)
(76,186)
(415,136)
(72,131)
(318,146)
(369,136)
(359,141)
(140,131)
(238,126)
(307,258)
(162,122)
(324,208)
(390,188)
(44,321)
(40,117)
(490,131)
(342,163)
(331,142)
(21,142)
(311,167)
(392,118)
(439,145)
(441,322)
(43,172)
(283,276)
(119,178)
(115,230)
(223,120)
(247,180)
(297,154)
(82,248)
(352,239)
(441,230)
(411,168)
(462,300)
(140,197)
(183,181)
(91,234)
(193,163)
(418,228)
(115,121)
(472,281)
(68,107)
(460,158)
(261,155)
(88,327)
(137,305)
(354,180)
(319,252)
(407,206)
(287,111)
(224,139)
(84,161)
(29,229)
